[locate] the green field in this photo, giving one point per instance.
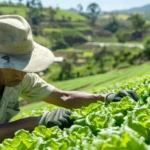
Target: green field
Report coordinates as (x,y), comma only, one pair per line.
(122,125)
(145,15)
(22,11)
(80,51)
(119,16)
(100,81)
(112,39)
(14,10)
(96,82)
(66,14)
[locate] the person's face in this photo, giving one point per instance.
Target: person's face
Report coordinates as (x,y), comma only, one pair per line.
(10,77)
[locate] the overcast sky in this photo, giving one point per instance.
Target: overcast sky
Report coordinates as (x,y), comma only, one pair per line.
(104,4)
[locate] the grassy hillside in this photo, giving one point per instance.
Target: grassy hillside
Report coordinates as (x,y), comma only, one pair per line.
(14,10)
(145,15)
(22,11)
(102,81)
(118,16)
(66,14)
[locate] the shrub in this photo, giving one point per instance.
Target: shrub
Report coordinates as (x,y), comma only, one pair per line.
(58,44)
(104,33)
(66,70)
(73,37)
(64,37)
(84,30)
(147,47)
(113,25)
(56,37)
(122,36)
(136,35)
(43,41)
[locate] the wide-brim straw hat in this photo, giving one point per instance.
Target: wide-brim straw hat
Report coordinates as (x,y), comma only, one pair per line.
(18,50)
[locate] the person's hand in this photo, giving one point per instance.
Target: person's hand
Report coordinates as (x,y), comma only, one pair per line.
(59,117)
(115,97)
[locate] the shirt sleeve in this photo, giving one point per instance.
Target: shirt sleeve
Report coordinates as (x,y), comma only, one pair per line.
(34,88)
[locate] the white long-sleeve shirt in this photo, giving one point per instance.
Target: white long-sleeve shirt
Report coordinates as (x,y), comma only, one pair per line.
(32,88)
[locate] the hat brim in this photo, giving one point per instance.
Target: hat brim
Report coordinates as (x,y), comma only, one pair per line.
(37,60)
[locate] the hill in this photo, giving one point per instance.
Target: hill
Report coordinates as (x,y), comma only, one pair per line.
(23,12)
(72,10)
(142,9)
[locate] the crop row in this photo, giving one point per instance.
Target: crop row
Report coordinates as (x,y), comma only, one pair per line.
(120,125)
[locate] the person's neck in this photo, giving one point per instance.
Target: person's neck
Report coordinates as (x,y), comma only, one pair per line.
(1,85)
(1,89)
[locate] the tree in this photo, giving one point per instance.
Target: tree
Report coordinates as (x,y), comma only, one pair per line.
(122,36)
(99,56)
(34,4)
(113,25)
(93,11)
(69,18)
(137,22)
(63,18)
(66,69)
(52,13)
(35,13)
(20,1)
(79,8)
(10,2)
(28,3)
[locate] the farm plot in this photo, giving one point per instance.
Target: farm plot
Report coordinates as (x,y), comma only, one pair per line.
(120,125)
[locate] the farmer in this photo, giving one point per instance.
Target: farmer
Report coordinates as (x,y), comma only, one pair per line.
(20,58)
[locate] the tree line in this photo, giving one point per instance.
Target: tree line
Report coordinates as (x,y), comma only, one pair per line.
(92,11)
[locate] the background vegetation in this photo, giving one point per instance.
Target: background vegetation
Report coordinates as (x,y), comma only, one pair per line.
(98,52)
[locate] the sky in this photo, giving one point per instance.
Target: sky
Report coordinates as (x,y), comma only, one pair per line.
(105,5)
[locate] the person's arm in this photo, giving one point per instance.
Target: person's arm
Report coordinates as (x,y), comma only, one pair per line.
(72,99)
(7,130)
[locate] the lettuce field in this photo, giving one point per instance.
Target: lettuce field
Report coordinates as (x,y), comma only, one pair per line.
(123,125)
